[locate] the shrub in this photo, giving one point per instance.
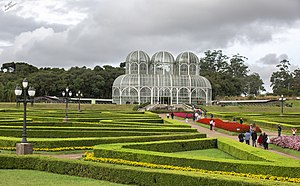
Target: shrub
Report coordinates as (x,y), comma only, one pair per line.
(125,174)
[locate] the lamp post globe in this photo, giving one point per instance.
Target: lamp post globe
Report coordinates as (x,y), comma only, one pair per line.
(24,147)
(66,93)
(79,95)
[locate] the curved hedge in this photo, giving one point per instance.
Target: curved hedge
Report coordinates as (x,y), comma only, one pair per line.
(125,174)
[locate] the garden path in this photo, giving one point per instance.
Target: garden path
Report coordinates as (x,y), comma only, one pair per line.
(67,156)
(214,134)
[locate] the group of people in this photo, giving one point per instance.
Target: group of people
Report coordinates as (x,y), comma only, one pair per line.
(172,115)
(262,140)
(198,114)
(294,130)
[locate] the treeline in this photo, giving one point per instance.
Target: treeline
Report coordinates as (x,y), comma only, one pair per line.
(285,82)
(229,76)
(93,83)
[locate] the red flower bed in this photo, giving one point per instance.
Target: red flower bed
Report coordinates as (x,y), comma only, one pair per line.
(230,126)
(182,114)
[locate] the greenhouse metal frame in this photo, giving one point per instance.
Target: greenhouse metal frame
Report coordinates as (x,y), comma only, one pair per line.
(161,80)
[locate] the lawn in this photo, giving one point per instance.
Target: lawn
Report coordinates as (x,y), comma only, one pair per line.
(38,178)
(212,153)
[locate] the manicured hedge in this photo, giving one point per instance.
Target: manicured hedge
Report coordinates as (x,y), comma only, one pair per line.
(278,166)
(124,174)
(137,128)
(273,125)
(78,142)
(175,146)
(78,133)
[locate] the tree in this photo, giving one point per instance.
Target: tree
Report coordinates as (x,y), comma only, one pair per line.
(254,84)
(281,80)
(295,84)
(227,75)
(213,61)
(237,67)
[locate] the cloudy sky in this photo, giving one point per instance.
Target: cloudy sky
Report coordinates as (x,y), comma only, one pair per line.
(66,33)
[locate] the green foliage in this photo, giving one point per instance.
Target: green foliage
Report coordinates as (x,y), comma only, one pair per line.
(124,174)
(37,178)
(94,83)
(91,141)
(228,76)
(285,82)
(175,146)
(254,160)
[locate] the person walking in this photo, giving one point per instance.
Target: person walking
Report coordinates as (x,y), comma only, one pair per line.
(186,118)
(279,130)
(254,138)
(241,137)
(247,137)
(172,115)
(294,130)
(211,123)
(265,140)
(259,140)
(241,121)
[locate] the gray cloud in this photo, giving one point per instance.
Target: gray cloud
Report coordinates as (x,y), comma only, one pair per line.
(272,59)
(112,29)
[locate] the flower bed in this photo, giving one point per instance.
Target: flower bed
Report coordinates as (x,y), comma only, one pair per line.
(291,142)
(230,126)
(182,114)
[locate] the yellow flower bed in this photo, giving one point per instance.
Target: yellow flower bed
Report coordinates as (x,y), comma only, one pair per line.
(90,157)
(52,149)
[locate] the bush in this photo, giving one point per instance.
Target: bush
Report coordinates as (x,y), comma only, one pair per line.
(124,174)
(78,142)
(264,162)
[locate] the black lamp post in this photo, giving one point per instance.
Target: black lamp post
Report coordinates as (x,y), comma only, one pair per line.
(282,100)
(24,147)
(67,100)
(79,95)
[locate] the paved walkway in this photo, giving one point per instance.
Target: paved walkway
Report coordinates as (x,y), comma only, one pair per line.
(214,134)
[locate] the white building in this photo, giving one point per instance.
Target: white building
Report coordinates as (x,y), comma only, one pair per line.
(161,79)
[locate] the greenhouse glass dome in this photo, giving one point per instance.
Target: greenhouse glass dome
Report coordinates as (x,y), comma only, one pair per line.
(161,80)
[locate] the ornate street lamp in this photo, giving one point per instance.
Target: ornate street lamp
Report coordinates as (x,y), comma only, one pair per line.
(24,147)
(79,95)
(67,100)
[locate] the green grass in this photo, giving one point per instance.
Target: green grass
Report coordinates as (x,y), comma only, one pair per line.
(285,150)
(38,178)
(213,153)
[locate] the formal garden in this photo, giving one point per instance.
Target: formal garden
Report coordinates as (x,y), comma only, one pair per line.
(122,146)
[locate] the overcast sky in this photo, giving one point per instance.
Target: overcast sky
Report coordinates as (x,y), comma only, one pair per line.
(66,33)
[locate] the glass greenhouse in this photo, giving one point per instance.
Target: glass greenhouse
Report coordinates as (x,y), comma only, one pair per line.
(161,80)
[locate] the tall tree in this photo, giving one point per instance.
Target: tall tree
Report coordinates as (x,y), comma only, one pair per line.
(281,80)
(213,61)
(254,84)
(295,85)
